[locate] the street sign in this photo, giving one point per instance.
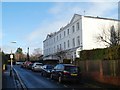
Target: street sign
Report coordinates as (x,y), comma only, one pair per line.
(11,56)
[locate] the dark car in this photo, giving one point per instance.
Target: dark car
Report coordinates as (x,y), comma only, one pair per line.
(30,66)
(46,70)
(66,72)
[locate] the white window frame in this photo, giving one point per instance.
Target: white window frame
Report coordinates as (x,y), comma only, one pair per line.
(73,42)
(73,28)
(78,26)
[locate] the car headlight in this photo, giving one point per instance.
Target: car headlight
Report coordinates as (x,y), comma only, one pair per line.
(48,71)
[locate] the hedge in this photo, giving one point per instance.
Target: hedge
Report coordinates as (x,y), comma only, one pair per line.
(111,53)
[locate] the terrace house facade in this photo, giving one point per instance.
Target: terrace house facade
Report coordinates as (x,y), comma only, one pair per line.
(79,34)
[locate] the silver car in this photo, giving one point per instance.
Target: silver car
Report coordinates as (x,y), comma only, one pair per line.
(37,66)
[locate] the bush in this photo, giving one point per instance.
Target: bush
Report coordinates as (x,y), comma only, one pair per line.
(111,53)
(66,61)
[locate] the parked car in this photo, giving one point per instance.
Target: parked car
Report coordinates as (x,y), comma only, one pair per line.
(37,66)
(30,66)
(65,72)
(26,64)
(46,70)
(19,62)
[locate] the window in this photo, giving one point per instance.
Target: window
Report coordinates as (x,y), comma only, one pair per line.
(73,29)
(60,36)
(78,40)
(49,50)
(68,32)
(57,37)
(68,44)
(64,45)
(54,39)
(57,47)
(73,42)
(60,46)
(78,27)
(60,67)
(64,33)
(54,49)
(56,67)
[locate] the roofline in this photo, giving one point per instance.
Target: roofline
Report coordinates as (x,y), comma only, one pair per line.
(64,26)
(84,16)
(101,18)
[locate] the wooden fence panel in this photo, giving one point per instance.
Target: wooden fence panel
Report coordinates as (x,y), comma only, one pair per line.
(106,71)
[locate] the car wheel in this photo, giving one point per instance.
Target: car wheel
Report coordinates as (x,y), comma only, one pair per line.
(60,79)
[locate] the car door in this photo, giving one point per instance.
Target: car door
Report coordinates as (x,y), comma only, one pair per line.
(59,70)
(45,69)
(54,71)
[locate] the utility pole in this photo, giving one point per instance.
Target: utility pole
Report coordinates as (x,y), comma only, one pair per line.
(28,54)
(11,63)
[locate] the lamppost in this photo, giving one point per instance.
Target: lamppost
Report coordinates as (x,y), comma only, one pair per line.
(11,64)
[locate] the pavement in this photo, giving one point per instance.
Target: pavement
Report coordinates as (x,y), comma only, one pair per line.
(7,80)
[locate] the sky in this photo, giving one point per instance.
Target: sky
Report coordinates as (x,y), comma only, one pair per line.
(28,23)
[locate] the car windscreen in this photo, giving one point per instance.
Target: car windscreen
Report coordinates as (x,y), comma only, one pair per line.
(39,64)
(49,67)
(71,69)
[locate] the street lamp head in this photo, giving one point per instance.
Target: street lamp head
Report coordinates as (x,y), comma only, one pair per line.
(13,42)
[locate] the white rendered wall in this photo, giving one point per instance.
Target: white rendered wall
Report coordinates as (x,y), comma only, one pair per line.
(91,28)
(52,44)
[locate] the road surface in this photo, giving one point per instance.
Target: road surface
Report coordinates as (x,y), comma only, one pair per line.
(35,80)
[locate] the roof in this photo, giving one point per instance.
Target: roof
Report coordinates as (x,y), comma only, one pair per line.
(52,34)
(74,17)
(102,18)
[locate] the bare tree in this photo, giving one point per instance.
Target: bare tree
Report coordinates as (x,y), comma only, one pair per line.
(110,37)
(36,54)
(61,54)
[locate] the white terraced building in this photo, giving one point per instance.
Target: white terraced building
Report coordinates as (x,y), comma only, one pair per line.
(79,34)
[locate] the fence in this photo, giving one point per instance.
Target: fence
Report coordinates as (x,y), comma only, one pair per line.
(106,71)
